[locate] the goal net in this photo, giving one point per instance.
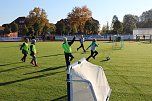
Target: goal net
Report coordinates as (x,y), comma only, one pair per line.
(118,42)
(88,82)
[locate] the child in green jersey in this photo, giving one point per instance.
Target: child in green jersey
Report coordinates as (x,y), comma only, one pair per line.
(32,50)
(67,50)
(25,48)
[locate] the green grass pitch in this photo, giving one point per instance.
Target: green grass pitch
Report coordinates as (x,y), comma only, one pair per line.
(129,72)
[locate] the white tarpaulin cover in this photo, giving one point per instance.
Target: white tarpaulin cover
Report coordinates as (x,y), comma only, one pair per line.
(89,82)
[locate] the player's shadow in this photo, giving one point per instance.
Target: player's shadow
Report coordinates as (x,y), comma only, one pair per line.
(8,46)
(104,60)
(146,42)
(29,78)
(45,70)
(13,69)
(10,63)
(49,55)
(62,98)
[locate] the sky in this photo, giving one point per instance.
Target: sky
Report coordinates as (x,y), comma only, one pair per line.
(102,10)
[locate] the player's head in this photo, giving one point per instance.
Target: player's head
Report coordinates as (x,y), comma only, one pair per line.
(94,40)
(33,41)
(26,40)
(64,39)
(81,36)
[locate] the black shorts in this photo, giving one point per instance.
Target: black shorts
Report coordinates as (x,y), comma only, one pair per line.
(24,52)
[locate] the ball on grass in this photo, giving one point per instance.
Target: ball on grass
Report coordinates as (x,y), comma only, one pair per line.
(108,58)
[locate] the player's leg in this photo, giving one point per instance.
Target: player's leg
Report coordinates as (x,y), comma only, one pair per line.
(35,60)
(32,61)
(24,55)
(79,47)
(90,56)
(83,47)
(67,59)
(95,53)
(71,56)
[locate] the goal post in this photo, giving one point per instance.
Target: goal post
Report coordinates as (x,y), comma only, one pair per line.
(87,82)
(118,42)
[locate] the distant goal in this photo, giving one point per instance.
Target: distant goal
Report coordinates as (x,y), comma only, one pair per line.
(143,34)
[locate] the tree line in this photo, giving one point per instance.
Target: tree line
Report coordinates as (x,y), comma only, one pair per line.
(79,21)
(129,23)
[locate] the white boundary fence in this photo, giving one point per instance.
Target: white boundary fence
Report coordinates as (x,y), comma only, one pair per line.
(98,37)
(10,39)
(87,37)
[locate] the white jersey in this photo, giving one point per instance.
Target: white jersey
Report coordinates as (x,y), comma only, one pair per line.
(81,40)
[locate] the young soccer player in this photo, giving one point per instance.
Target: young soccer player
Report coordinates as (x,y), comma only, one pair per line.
(25,48)
(81,42)
(33,52)
(67,50)
(93,49)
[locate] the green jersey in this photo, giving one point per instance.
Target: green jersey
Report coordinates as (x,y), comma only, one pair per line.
(25,46)
(66,47)
(32,49)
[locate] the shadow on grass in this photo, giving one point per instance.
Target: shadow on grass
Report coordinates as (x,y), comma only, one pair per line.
(10,63)
(146,42)
(12,69)
(62,98)
(30,78)
(46,69)
(104,60)
(49,55)
(9,46)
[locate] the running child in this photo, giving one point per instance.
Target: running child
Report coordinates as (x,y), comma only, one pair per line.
(33,52)
(67,50)
(93,49)
(81,42)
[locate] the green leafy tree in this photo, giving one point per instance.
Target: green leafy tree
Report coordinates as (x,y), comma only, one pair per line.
(104,30)
(46,29)
(129,23)
(7,29)
(91,26)
(52,28)
(88,27)
(31,31)
(116,25)
(14,27)
(37,18)
(74,29)
(25,31)
(60,27)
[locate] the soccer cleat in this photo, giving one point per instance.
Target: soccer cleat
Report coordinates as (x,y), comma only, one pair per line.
(36,65)
(22,60)
(32,63)
(93,57)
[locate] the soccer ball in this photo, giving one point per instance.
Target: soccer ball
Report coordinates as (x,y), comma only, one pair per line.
(108,58)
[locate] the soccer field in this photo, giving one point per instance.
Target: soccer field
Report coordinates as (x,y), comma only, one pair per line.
(129,72)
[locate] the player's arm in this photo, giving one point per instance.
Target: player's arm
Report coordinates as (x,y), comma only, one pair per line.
(89,46)
(22,46)
(97,45)
(70,43)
